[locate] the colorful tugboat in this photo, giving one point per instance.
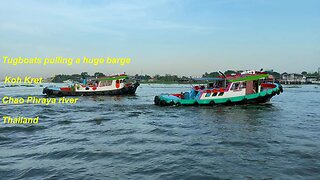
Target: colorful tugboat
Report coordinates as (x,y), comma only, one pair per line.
(109,85)
(245,88)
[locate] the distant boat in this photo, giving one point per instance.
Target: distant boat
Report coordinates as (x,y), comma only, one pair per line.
(244,88)
(27,85)
(109,85)
(12,85)
(68,81)
(292,86)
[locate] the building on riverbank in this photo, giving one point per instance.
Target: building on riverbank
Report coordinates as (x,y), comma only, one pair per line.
(304,78)
(293,78)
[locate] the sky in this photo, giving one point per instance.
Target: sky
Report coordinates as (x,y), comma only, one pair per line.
(182,37)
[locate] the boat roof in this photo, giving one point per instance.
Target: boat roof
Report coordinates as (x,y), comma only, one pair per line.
(247,77)
(209,79)
(114,77)
(235,78)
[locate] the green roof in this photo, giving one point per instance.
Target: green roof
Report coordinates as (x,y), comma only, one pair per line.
(249,78)
(112,78)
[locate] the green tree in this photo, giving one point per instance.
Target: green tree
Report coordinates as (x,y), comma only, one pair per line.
(99,74)
(84,74)
(229,72)
(305,73)
(275,75)
(212,74)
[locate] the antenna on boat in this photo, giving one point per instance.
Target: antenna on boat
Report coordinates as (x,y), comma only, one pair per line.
(190,82)
(225,78)
(222,74)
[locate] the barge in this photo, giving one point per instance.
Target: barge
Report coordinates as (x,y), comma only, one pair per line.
(109,85)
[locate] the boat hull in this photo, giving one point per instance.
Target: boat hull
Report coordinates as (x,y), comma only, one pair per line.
(257,98)
(127,90)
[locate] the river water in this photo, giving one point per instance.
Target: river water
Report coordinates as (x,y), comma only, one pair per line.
(130,138)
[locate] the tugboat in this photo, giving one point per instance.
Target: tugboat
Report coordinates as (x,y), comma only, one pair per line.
(249,87)
(109,85)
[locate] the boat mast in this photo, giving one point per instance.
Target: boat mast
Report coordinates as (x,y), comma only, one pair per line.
(225,79)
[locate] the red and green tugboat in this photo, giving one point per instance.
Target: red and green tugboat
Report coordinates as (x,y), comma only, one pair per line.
(245,88)
(109,85)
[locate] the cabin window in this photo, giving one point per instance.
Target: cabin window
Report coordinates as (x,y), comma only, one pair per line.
(219,84)
(108,83)
(214,94)
(208,94)
(235,86)
(105,83)
(96,83)
(102,83)
(242,85)
(221,93)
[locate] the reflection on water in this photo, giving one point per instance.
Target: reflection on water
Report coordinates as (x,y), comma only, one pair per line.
(129,137)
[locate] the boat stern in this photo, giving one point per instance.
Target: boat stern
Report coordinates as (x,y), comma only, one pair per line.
(167,99)
(56,91)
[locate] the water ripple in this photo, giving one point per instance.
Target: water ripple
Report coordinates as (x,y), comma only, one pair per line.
(130,138)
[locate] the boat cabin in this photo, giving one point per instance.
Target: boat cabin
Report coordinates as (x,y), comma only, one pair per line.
(103,83)
(218,87)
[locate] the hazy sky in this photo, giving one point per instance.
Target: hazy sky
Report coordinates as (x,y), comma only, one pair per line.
(184,37)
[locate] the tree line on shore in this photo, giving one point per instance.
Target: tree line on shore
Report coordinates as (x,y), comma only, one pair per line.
(167,78)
